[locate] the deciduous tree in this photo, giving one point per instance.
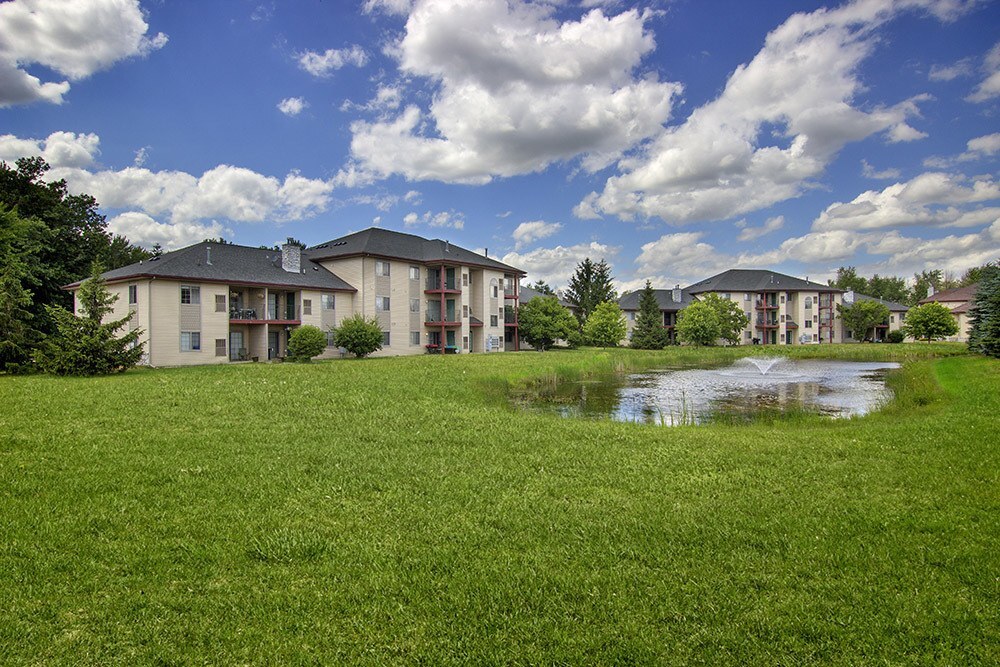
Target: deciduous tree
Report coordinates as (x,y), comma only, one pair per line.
(732,319)
(698,324)
(306,342)
(862,316)
(542,321)
(359,335)
(606,325)
(930,322)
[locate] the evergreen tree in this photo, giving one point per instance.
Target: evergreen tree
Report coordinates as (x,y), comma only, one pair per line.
(590,285)
(542,287)
(16,334)
(648,333)
(85,344)
(543,320)
(606,325)
(985,335)
(922,283)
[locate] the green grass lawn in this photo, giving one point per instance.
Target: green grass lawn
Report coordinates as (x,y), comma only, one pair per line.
(401,511)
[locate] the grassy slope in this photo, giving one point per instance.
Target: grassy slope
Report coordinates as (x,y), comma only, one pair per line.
(392,510)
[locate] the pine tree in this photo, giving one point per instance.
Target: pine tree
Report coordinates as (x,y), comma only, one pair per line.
(16,333)
(85,344)
(590,285)
(985,315)
(649,333)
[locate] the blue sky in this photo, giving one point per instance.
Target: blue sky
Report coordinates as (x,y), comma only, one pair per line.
(674,139)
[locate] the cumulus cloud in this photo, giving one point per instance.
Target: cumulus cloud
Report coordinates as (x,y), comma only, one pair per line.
(556,265)
(990,86)
(326,63)
(748,233)
(515,91)
(74,39)
(728,159)
(59,149)
(933,198)
(451,219)
(901,133)
(870,172)
(292,106)
(143,230)
(529,232)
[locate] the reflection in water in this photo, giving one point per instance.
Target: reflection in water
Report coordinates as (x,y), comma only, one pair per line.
(746,389)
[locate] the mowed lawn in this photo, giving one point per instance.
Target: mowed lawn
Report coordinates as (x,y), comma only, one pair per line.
(401,511)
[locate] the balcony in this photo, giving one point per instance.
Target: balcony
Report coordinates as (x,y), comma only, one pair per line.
(766,305)
(434,318)
(284,315)
(766,323)
(449,285)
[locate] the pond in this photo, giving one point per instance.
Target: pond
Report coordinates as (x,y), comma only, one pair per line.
(742,391)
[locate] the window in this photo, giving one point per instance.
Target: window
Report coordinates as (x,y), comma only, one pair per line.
(381,268)
(327,301)
(902,317)
(220,347)
(465,280)
(850,334)
(493,320)
(465,311)
(414,305)
(465,342)
(631,316)
(382,304)
(220,303)
(385,339)
(892,319)
(727,296)
(307,307)
(190,341)
(414,338)
(493,287)
(133,294)
(809,303)
(809,324)
(782,318)
(815,338)
(747,296)
(782,298)
(190,295)
(749,335)
(414,273)
(331,339)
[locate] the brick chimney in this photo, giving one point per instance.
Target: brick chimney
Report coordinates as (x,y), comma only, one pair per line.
(675,294)
(291,256)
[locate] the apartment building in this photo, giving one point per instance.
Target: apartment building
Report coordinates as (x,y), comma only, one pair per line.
(670,301)
(897,316)
(218,302)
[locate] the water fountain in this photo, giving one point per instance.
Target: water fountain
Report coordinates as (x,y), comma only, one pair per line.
(764,364)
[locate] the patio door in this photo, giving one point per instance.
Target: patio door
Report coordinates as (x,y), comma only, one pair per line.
(236,349)
(272,343)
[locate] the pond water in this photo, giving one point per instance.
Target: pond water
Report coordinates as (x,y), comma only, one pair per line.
(747,389)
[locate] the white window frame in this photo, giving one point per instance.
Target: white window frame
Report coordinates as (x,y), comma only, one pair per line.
(193,341)
(193,295)
(414,272)
(414,305)
(382,268)
(382,304)
(328,301)
(414,338)
(133,294)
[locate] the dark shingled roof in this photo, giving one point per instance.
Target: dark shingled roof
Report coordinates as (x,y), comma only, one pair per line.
(229,264)
(756,280)
(664,297)
(377,242)
(526,294)
(891,305)
(967,293)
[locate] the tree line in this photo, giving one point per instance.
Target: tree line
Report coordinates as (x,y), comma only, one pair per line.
(894,288)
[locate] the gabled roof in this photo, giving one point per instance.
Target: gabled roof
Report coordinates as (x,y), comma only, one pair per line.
(756,280)
(526,294)
(967,293)
(664,298)
(211,261)
(378,242)
(891,305)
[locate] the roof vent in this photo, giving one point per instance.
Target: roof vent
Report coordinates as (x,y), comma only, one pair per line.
(446,247)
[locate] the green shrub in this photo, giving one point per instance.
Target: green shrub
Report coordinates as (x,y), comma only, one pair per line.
(359,335)
(896,336)
(305,343)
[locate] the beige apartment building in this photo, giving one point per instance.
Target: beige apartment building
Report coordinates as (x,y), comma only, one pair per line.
(959,301)
(782,309)
(219,302)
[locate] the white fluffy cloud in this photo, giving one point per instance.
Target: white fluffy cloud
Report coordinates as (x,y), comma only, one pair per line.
(870,172)
(74,39)
(933,198)
(143,230)
(748,233)
(515,91)
(990,86)
(292,106)
(59,149)
(326,63)
(556,265)
(721,161)
(535,230)
(949,72)
(451,219)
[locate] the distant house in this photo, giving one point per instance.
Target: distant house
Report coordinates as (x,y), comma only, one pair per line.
(897,316)
(670,301)
(959,301)
(219,302)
